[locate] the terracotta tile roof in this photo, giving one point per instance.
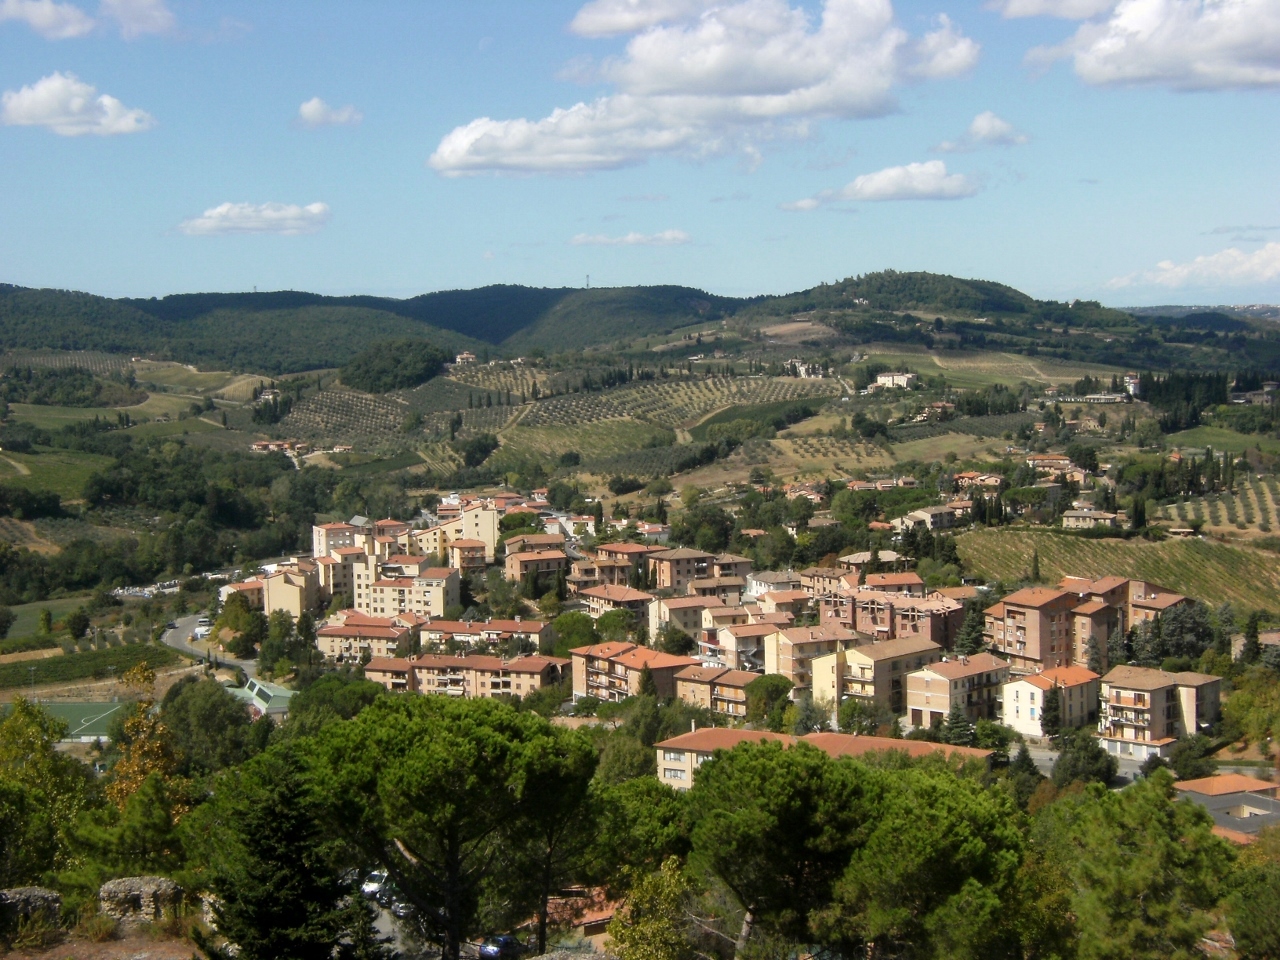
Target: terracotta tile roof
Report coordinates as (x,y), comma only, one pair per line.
(885,579)
(616,594)
(710,739)
(961,667)
(1035,597)
(1223,783)
(1069,676)
(899,647)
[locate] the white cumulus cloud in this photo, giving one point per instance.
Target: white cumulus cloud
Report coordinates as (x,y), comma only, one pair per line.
(1230,267)
(986,130)
(53,21)
(1183,44)
(944,52)
(139,17)
(666,238)
(912,181)
(70,107)
(286,219)
(316,113)
(699,79)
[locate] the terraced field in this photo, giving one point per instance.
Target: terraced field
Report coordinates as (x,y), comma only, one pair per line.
(1253,509)
(1205,569)
(673,403)
(102,364)
(343,415)
(601,440)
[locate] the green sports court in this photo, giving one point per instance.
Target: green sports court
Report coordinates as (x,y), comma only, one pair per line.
(83,719)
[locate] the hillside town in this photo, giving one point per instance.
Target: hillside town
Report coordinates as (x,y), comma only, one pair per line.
(866,630)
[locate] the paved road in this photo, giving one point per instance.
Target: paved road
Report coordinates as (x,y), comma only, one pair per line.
(1128,769)
(178,639)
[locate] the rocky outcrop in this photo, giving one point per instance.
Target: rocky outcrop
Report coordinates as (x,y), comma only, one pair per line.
(26,902)
(136,901)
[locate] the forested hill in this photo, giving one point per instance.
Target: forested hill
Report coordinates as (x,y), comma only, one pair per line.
(289,331)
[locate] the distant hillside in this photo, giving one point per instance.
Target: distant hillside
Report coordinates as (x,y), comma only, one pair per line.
(290,331)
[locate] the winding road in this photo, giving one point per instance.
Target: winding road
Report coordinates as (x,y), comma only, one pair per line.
(179,638)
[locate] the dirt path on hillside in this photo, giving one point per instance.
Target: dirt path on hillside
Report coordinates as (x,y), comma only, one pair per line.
(22,468)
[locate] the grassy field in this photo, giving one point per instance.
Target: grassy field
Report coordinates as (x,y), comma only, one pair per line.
(982,368)
(176,428)
(1221,439)
(592,440)
(184,379)
(51,418)
(28,614)
(62,471)
(1205,569)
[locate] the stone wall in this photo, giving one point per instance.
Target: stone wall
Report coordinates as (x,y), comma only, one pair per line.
(136,901)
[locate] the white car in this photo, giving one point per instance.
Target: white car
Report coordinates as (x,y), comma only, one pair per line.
(372,885)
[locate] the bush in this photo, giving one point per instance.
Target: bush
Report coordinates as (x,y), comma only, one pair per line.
(620,485)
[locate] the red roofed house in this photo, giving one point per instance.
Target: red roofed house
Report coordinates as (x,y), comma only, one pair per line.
(482,676)
(612,671)
(546,564)
(354,635)
(429,593)
(1024,699)
(467,555)
(394,673)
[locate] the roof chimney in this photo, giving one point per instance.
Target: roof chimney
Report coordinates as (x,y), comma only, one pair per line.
(693,726)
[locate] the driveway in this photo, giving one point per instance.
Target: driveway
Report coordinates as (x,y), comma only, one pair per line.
(179,638)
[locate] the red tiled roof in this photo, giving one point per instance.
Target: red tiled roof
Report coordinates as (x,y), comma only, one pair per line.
(1223,783)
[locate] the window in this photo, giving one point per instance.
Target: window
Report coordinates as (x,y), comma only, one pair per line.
(1032,713)
(673,773)
(673,756)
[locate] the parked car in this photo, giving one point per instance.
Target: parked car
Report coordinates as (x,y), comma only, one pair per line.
(401,910)
(374,883)
(504,946)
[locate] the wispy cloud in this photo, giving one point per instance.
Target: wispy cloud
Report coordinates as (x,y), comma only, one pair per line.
(139,17)
(53,21)
(666,238)
(285,219)
(68,106)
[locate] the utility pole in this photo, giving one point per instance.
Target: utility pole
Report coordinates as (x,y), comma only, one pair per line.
(33,683)
(588,281)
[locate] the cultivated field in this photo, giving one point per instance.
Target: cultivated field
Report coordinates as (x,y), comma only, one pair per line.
(102,364)
(1221,439)
(593,441)
(673,403)
(1251,510)
(1205,569)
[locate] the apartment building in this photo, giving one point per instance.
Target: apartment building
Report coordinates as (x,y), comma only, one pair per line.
(680,757)
(886,616)
(526,542)
(467,556)
(875,671)
(674,569)
(1077,698)
(429,594)
(612,671)
(490,632)
(717,689)
(820,581)
(394,673)
(546,564)
(1092,623)
(682,613)
(606,598)
(760,582)
(481,676)
(739,646)
(1032,628)
(974,683)
(907,584)
(1143,711)
(727,589)
(349,634)
(474,523)
(790,651)
(598,572)
(328,537)
(790,602)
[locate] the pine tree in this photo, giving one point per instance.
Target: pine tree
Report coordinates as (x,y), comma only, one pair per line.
(970,639)
(1035,566)
(1097,656)
(956,729)
(1251,652)
(647,686)
(1138,520)
(1051,713)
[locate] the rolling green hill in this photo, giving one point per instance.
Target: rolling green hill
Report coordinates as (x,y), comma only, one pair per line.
(290,331)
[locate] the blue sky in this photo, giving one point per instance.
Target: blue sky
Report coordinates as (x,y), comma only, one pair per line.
(1121,150)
